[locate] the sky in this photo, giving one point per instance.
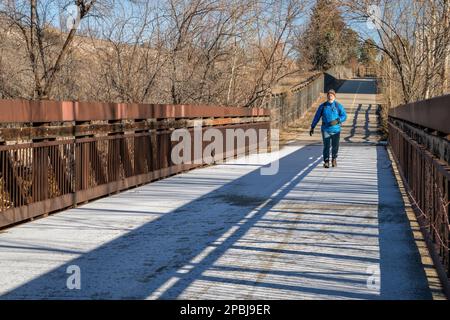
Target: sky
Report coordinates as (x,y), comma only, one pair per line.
(54,8)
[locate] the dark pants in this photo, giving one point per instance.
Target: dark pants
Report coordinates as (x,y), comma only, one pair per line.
(333,141)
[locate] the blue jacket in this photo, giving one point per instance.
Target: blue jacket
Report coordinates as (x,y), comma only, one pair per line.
(330,112)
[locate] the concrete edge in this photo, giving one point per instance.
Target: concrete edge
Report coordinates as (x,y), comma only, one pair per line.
(439,290)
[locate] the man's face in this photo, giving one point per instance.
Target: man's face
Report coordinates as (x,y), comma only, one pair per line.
(331,97)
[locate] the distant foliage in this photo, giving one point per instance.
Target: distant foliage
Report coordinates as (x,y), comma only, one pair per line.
(177,51)
(327,41)
(413,40)
(368,53)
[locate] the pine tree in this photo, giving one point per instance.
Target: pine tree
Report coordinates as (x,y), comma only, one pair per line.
(369,52)
(327,40)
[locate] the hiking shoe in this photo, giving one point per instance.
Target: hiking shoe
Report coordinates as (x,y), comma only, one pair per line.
(326,164)
(334,163)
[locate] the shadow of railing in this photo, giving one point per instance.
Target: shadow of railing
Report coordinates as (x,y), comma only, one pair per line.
(148,261)
(395,228)
(123,268)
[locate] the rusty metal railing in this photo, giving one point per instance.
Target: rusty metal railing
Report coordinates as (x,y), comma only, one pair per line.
(289,106)
(56,155)
(423,162)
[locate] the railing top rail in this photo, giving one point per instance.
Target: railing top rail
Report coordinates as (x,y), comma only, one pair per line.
(63,111)
(432,113)
(298,87)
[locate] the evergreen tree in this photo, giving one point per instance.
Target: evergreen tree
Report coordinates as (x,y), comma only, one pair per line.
(328,41)
(369,52)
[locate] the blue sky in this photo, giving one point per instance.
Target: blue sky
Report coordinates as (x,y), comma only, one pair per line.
(55,7)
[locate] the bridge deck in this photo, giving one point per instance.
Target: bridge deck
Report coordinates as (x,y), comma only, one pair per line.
(228,232)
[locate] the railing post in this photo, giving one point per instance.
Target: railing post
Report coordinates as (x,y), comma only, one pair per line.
(40,166)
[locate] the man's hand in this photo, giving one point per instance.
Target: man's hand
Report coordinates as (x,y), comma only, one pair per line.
(311,132)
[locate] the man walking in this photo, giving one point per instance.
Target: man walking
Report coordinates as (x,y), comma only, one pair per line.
(333,115)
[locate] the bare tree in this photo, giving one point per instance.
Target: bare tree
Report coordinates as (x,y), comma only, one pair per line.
(415,36)
(274,25)
(181,51)
(130,52)
(45,48)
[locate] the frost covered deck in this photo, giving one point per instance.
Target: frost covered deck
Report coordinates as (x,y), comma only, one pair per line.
(228,232)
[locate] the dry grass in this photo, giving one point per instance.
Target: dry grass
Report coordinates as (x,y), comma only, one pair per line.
(301,125)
